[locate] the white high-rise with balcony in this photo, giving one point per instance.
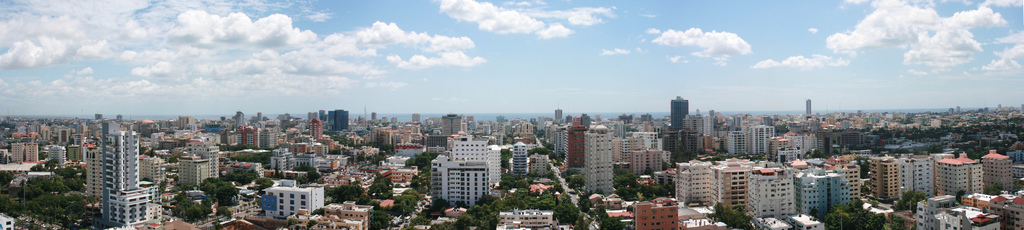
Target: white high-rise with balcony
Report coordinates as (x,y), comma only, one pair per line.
(458,180)
(917,174)
(124,202)
(598,158)
(757,138)
(466,149)
(771,192)
(693,182)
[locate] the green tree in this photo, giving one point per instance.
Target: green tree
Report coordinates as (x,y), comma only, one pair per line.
(734,217)
(242,177)
(380,220)
(566,213)
(262,183)
(223,211)
(909,201)
(994,189)
(224,192)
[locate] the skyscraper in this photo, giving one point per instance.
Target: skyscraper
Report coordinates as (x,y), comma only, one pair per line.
(451,124)
(316,128)
(679,109)
(338,120)
(558,115)
(124,202)
(239,119)
(415,117)
(585,120)
(808,106)
(574,155)
(598,169)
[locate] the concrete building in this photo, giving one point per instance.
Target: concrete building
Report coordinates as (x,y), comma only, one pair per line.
(152,169)
(527,219)
(560,139)
(93,172)
(771,192)
(520,159)
(598,152)
(575,155)
(24,152)
(996,170)
(693,182)
(757,138)
(817,190)
(959,174)
(539,164)
(286,198)
(467,149)
(641,160)
(124,201)
(249,135)
(804,222)
(6,222)
(736,142)
(459,180)
(337,120)
(193,170)
(852,174)
(206,150)
(967,218)
(926,210)
(348,211)
(884,175)
(659,214)
(451,124)
(56,152)
(729,182)
(916,174)
(1010,209)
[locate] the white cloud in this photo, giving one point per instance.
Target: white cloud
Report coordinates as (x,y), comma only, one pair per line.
(1002,65)
(649,15)
(813,30)
(491,18)
(199,28)
(1013,38)
(1002,3)
(447,59)
(525,3)
(161,71)
(25,28)
(915,72)
(319,16)
(714,43)
(801,62)
(614,52)
(383,34)
(584,16)
(47,51)
(678,59)
(933,40)
(554,31)
(856,1)
(87,70)
(1015,52)
(653,31)
(393,85)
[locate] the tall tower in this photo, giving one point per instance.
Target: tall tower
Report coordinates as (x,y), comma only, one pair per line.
(451,124)
(598,169)
(808,106)
(558,114)
(574,155)
(316,128)
(124,202)
(239,119)
(338,120)
(679,109)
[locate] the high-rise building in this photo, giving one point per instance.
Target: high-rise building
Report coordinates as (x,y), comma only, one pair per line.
(657,215)
(679,109)
(286,199)
(451,124)
(729,182)
(598,168)
(959,174)
(736,142)
(585,120)
(239,119)
(852,174)
(561,139)
(539,164)
(99,116)
(316,128)
(185,121)
(757,138)
(885,176)
(249,135)
(193,170)
(917,174)
(519,159)
(338,120)
(643,159)
(465,148)
(415,117)
(459,180)
(574,155)
(93,172)
(817,190)
(808,107)
(693,182)
(996,170)
(206,150)
(558,115)
(24,152)
(152,169)
(268,138)
(124,201)
(770,192)
(373,116)
(56,152)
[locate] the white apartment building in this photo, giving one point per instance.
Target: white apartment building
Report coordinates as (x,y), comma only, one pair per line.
(807,143)
(693,182)
(788,154)
(736,142)
(916,174)
(757,138)
(650,140)
(526,219)
(206,150)
(561,139)
(285,199)
(459,180)
(124,201)
(958,174)
(193,170)
(268,138)
(598,158)
(770,192)
(818,190)
(152,169)
(467,149)
(520,158)
(56,152)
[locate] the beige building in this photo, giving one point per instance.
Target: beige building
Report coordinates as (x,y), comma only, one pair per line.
(852,174)
(598,158)
(693,182)
(729,182)
(959,174)
(93,172)
(24,152)
(539,164)
(1010,209)
(528,219)
(348,211)
(193,170)
(771,192)
(996,170)
(152,169)
(885,178)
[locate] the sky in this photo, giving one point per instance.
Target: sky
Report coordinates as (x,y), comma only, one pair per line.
(67,57)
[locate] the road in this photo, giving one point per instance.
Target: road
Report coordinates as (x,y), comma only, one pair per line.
(573,197)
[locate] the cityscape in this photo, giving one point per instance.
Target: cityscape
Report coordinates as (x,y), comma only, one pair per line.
(511,115)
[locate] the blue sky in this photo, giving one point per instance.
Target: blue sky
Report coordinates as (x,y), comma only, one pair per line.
(466,56)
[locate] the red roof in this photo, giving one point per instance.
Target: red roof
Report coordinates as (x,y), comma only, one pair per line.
(622,213)
(996,156)
(1018,200)
(958,161)
(387,203)
(767,170)
(998,199)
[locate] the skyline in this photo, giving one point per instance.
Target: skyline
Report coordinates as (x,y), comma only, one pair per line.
(465,56)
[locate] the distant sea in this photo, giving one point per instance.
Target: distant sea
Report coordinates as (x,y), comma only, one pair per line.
(404,117)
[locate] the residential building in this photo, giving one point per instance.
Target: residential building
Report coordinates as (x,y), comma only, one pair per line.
(771,223)
(757,138)
(93,171)
(884,175)
(409,149)
(193,170)
(152,169)
(818,189)
(520,159)
(268,138)
(659,214)
(348,210)
(316,128)
(916,174)
(24,152)
(736,142)
(6,222)
(285,199)
(852,174)
(1010,209)
(641,160)
(235,166)
(680,108)
(967,218)
(539,164)
(337,120)
(770,192)
(804,222)
(575,150)
(451,124)
(56,152)
(729,182)
(249,135)
(124,202)
(959,174)
(459,180)
(527,219)
(206,150)
(598,152)
(465,148)
(996,170)
(693,182)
